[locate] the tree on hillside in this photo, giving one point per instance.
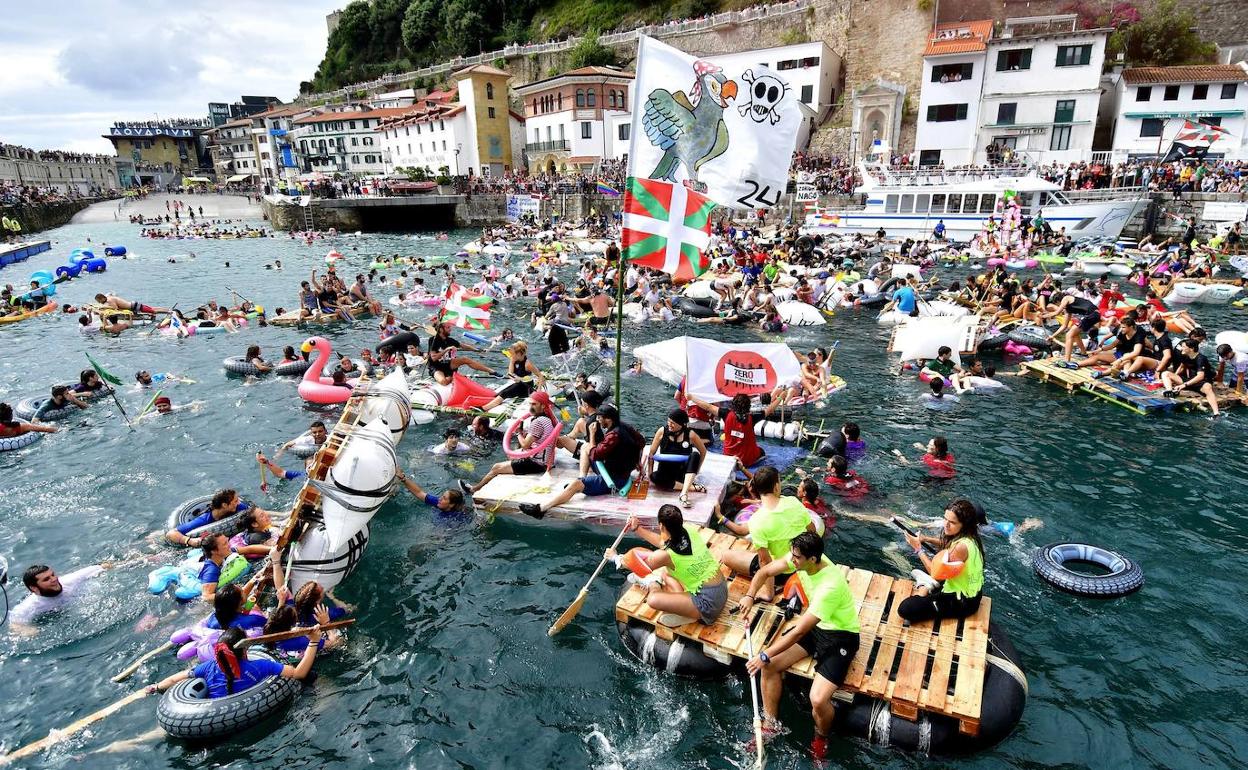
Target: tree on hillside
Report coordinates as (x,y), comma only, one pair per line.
(1161,36)
(590,52)
(420,25)
(385,23)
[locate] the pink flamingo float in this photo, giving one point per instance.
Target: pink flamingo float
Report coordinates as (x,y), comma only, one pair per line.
(314,387)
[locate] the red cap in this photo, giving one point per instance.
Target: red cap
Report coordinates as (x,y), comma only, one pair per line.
(163,400)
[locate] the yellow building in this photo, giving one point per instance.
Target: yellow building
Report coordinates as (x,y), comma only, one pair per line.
(160,152)
(492,150)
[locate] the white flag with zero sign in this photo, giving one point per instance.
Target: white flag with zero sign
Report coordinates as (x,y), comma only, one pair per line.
(726,131)
(717,371)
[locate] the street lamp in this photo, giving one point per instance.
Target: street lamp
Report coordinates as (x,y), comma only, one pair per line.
(458,146)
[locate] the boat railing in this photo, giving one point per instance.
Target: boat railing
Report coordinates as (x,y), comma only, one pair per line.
(924,176)
(1104,194)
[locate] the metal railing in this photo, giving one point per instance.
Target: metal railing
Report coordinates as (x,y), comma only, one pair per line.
(557,145)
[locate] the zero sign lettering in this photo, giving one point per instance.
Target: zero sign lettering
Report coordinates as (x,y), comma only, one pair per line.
(757,197)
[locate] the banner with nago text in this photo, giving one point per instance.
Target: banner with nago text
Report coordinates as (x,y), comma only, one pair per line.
(717,372)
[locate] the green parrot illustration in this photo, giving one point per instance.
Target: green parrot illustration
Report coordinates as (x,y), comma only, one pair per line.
(690,130)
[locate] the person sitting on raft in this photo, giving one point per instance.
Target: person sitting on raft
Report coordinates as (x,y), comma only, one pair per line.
(117,303)
(776,521)
(614,447)
(1192,372)
(674,438)
(538,426)
(443,348)
(61,398)
(224,503)
(960,564)
(827,631)
(11,428)
(692,587)
(524,374)
(91,322)
(1128,345)
(231,671)
(451,501)
(739,439)
(1158,354)
(359,294)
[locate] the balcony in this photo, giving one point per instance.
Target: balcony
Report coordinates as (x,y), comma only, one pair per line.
(558,145)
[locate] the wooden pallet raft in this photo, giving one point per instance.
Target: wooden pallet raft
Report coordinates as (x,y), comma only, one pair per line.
(937,668)
(1133,394)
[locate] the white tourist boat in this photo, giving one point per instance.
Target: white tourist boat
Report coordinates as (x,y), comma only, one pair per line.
(910,203)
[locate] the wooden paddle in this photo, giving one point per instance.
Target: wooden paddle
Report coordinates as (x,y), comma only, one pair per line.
(128,670)
(576,605)
(293,633)
(759,758)
(56,736)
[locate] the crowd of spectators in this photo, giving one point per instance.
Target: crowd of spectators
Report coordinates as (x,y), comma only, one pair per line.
(17,152)
(25,194)
(171,123)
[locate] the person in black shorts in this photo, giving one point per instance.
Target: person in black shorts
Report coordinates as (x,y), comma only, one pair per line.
(1192,372)
(827,631)
(540,424)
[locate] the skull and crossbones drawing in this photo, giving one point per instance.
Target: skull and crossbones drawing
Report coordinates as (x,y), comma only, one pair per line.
(765,92)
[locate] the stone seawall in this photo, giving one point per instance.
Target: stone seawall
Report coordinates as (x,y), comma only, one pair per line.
(45,216)
(347,215)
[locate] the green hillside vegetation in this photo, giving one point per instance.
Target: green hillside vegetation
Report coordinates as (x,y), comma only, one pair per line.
(385,36)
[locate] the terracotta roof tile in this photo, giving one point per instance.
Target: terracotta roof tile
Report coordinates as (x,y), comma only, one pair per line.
(959,37)
(1188,73)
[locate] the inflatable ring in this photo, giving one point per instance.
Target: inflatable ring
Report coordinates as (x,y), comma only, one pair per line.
(240,365)
(291,368)
(27,407)
(17,442)
(536,449)
(677,656)
(1124,577)
(398,342)
(198,506)
(694,309)
(186,711)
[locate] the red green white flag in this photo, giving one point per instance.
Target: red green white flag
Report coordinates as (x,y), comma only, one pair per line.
(466,308)
(667,227)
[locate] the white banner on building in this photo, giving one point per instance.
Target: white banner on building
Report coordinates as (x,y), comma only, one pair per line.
(1225,211)
(806,193)
(520,205)
(729,133)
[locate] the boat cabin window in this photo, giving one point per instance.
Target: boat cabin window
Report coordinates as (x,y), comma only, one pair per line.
(890,204)
(969,202)
(938,203)
(955,203)
(921,203)
(986,203)
(907,203)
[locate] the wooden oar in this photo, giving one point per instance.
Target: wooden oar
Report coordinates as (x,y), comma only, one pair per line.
(293,633)
(576,605)
(759,758)
(56,736)
(125,673)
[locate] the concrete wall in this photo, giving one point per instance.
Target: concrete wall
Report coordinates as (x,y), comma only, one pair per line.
(62,175)
(45,216)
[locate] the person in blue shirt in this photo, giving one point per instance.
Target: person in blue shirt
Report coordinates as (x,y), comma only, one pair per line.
(939,230)
(451,501)
(906,299)
(229,609)
(224,503)
(231,671)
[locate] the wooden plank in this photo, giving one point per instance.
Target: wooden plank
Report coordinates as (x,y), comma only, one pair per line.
(913,666)
(935,697)
(868,621)
(631,599)
(972,650)
(881,665)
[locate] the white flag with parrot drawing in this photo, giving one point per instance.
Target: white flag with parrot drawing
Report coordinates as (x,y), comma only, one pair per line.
(727,132)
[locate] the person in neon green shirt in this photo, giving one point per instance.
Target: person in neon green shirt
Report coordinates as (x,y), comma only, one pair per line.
(960,594)
(776,522)
(694,586)
(827,631)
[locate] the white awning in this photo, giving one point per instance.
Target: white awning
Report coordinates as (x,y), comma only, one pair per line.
(196,179)
(238,177)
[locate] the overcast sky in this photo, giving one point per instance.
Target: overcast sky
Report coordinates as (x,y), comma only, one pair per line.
(69,68)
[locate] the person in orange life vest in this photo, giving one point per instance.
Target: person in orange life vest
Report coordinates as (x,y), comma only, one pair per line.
(739,441)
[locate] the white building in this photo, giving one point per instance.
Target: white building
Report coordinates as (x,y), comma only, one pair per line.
(67,172)
(343,140)
(1152,104)
(277,154)
(1034,87)
(234,154)
(468,130)
(569,118)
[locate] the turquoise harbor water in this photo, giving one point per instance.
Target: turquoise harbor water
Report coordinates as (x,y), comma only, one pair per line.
(449,664)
